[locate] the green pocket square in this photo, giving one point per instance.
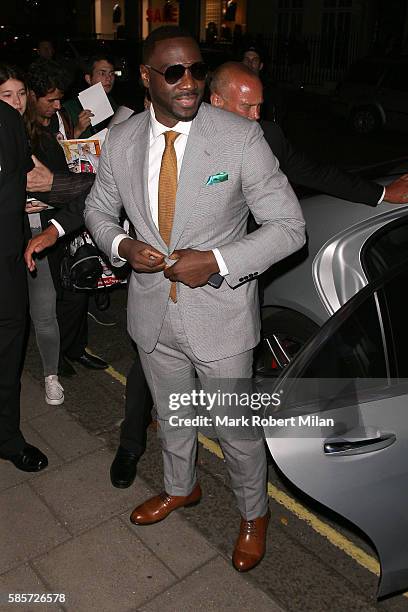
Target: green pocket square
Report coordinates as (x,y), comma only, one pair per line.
(217,178)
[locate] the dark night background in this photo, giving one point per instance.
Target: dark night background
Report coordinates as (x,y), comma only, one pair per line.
(308,47)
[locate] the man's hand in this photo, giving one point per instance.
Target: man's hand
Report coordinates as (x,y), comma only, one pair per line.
(40,178)
(397,191)
(193,268)
(141,256)
(42,241)
(84,121)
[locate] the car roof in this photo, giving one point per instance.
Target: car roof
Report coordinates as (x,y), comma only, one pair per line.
(293,283)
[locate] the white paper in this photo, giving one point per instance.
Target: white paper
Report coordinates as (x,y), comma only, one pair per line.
(95,99)
(121,114)
(99,136)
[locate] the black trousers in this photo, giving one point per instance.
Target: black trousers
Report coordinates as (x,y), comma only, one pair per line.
(72,315)
(13,320)
(138,409)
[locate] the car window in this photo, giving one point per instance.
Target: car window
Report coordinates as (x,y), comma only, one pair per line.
(385,249)
(394,308)
(393,78)
(354,350)
(360,350)
(351,360)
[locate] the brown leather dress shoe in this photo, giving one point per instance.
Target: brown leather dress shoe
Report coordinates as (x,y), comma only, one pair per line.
(159,507)
(250,546)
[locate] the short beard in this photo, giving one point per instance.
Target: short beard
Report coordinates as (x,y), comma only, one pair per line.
(184,118)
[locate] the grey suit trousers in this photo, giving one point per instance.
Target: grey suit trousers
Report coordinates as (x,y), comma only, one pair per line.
(170,369)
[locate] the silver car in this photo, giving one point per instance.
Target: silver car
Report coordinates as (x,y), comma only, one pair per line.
(336,336)
(305,290)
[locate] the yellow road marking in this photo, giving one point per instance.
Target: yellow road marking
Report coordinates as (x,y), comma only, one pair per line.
(116,375)
(210,445)
(334,537)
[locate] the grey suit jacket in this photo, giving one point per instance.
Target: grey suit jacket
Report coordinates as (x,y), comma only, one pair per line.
(221,322)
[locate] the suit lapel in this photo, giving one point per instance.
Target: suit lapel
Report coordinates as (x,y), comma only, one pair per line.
(196,158)
(138,163)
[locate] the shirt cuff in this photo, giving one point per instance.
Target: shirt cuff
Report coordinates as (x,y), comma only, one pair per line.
(221,263)
(61,231)
(382,197)
(115,257)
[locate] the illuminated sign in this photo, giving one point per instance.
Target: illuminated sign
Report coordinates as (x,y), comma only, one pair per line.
(168,14)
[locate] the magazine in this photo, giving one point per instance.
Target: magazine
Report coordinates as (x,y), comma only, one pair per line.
(82,155)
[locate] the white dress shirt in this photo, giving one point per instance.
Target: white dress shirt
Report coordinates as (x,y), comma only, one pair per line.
(156,149)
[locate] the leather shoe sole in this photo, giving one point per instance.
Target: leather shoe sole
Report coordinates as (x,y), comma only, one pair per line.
(123,469)
(30,459)
(160,506)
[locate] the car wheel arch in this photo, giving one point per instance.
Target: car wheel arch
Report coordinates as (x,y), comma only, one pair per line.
(376,122)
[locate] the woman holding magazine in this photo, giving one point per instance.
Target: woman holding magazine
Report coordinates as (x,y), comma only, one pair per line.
(66,191)
(59,318)
(41,287)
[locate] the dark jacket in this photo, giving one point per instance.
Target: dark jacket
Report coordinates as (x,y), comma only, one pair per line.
(302,170)
(71,190)
(15,162)
(67,195)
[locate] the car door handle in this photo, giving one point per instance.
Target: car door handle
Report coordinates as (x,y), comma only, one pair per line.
(343,448)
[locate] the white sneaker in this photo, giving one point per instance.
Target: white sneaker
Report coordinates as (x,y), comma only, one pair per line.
(54,392)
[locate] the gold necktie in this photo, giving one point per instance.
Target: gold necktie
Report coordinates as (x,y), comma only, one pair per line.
(167,193)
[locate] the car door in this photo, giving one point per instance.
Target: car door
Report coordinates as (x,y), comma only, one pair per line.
(340,433)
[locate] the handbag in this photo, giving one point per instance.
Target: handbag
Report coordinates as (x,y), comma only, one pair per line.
(82,270)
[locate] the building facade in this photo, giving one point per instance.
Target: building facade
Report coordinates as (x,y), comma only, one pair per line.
(212,20)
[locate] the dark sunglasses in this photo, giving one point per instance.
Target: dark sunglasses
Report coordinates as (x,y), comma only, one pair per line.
(172,74)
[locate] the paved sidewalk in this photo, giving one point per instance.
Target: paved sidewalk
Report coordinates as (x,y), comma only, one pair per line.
(66,530)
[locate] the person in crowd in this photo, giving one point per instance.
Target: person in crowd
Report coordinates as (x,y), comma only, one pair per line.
(42,298)
(274,108)
(46,82)
(236,88)
(179,322)
(15,162)
(12,87)
(99,69)
(252,59)
(46,49)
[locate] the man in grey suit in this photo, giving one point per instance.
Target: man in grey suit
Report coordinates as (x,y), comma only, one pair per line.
(187,175)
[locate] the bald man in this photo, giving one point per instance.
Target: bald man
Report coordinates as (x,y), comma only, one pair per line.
(236,88)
